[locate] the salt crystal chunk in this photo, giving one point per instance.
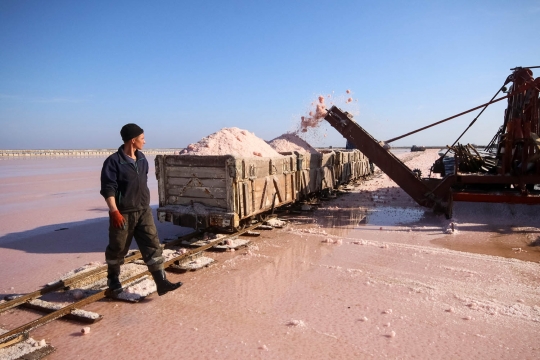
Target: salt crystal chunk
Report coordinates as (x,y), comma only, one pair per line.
(85,330)
(42,342)
(364,319)
(263,347)
(387,311)
(392,334)
(296,323)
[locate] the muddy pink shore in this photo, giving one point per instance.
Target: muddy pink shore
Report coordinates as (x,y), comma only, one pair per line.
(367,275)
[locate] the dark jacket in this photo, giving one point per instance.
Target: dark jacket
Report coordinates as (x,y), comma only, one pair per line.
(125,181)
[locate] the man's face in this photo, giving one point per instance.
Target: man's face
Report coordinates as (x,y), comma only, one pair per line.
(139,142)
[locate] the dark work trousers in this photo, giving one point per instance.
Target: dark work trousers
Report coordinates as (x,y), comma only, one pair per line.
(139,224)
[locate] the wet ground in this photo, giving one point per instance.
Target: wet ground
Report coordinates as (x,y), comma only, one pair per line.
(366,275)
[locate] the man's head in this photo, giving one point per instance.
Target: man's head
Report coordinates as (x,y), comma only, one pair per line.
(130,131)
(133,135)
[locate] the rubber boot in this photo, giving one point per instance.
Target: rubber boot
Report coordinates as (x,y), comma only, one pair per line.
(163,285)
(113,280)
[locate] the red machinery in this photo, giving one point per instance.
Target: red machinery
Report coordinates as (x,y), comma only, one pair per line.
(507,174)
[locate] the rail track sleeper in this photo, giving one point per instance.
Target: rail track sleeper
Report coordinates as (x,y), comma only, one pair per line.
(15,340)
(38,354)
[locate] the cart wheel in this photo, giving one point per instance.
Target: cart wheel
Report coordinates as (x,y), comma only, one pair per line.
(262,217)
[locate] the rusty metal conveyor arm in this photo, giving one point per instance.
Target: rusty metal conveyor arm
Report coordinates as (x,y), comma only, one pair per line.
(384,159)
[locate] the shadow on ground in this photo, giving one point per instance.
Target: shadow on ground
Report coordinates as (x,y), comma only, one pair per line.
(76,237)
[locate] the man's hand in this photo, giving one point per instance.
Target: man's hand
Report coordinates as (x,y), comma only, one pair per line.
(117,219)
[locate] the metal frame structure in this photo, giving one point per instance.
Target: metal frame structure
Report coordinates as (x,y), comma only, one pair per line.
(518,154)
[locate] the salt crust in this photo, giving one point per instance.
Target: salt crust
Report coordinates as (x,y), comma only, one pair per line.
(20,349)
(516,309)
(58,306)
(138,290)
(274,222)
(296,323)
(197,263)
(290,142)
(231,141)
(85,268)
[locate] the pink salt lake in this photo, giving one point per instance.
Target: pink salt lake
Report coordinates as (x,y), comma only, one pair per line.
(400,285)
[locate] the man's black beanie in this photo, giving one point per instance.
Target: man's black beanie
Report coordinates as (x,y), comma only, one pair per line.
(130,131)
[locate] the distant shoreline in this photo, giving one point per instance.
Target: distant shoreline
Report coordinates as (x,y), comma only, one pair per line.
(77,152)
(103,152)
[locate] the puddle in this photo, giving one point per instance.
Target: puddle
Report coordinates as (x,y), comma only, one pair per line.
(392,216)
(354,218)
(513,245)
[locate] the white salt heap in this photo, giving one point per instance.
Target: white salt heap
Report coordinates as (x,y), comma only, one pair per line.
(231,141)
(289,142)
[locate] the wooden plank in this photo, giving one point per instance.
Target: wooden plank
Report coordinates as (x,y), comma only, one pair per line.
(277,187)
(196,182)
(197,160)
(39,353)
(259,171)
(306,188)
(198,172)
(247,200)
(160,175)
(286,184)
(178,200)
(315,161)
(48,307)
(15,340)
(241,209)
(230,178)
(198,192)
(259,185)
(253,194)
(327,159)
(263,194)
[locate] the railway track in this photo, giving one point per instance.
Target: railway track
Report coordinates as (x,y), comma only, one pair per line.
(21,333)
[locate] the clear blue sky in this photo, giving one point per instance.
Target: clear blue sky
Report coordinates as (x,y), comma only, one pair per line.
(73,72)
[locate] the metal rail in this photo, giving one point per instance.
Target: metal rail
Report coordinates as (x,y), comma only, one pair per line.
(11,336)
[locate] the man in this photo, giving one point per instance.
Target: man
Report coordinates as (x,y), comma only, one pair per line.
(124,186)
